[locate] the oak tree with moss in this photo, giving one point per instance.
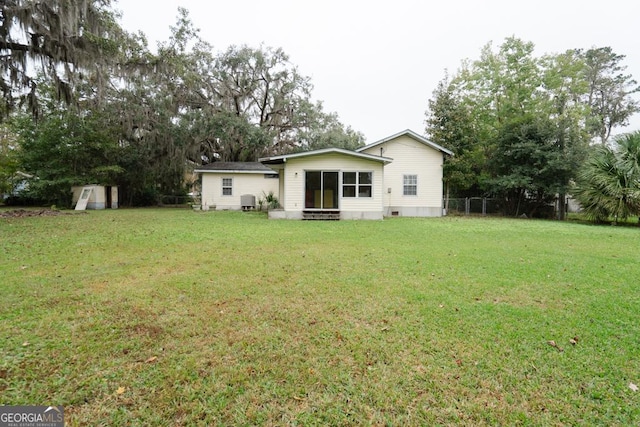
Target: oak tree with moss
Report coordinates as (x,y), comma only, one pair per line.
(61,39)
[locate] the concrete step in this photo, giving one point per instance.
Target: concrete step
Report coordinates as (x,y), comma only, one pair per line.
(320,216)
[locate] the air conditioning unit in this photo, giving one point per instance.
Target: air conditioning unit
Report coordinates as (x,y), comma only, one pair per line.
(248,202)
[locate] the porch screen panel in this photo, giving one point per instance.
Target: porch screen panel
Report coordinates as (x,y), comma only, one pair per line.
(312,186)
(330,190)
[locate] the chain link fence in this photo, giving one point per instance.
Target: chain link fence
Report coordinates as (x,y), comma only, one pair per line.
(171,200)
(490,206)
(474,206)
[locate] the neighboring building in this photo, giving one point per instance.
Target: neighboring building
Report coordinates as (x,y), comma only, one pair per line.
(224,184)
(413,181)
(18,184)
(397,176)
(331,183)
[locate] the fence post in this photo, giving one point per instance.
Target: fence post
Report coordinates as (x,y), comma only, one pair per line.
(484,206)
(467,206)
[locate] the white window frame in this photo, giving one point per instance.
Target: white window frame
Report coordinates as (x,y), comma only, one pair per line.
(357,185)
(406,184)
(228,186)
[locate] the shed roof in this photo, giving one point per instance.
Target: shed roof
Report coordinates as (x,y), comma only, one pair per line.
(411,134)
(275,160)
(236,167)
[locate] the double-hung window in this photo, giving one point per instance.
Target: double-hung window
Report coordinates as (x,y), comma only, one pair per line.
(227,186)
(410,185)
(357,184)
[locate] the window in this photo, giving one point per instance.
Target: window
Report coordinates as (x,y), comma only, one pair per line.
(365,184)
(357,184)
(349,184)
(227,186)
(410,185)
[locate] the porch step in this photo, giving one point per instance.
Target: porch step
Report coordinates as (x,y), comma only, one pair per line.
(324,215)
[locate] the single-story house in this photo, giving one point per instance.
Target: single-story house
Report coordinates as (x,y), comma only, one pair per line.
(397,176)
(228,185)
(329,183)
(413,181)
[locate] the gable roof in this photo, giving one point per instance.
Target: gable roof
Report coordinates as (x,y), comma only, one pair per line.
(275,160)
(236,167)
(411,134)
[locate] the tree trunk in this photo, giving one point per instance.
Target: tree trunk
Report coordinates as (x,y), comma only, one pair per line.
(562,205)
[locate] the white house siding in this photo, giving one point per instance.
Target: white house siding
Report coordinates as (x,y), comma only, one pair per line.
(350,208)
(243,183)
(411,157)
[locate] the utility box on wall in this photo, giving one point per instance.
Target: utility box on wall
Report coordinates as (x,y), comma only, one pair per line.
(95,197)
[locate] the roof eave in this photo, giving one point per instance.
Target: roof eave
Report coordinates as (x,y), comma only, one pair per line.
(264,172)
(411,134)
(283,159)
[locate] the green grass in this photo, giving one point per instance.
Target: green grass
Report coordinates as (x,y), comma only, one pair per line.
(174,317)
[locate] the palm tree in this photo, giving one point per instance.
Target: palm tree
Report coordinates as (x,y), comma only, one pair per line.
(609,184)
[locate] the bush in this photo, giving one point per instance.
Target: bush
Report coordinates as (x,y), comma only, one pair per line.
(268,200)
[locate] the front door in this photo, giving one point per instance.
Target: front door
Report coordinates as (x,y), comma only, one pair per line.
(321,190)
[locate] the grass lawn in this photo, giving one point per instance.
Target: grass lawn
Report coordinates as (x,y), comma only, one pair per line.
(175,317)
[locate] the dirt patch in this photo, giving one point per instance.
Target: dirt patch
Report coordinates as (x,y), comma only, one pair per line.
(24,213)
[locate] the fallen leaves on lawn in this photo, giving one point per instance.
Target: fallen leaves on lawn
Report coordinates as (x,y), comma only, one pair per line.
(22,213)
(633,387)
(553,344)
(120,390)
(151,359)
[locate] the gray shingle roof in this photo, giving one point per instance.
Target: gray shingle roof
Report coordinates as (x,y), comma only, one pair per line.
(248,167)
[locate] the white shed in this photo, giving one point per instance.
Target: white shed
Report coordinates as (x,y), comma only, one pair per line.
(95,196)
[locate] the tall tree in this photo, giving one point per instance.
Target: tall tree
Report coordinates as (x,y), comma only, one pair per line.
(494,105)
(262,86)
(610,92)
(8,158)
(324,130)
(450,125)
(497,99)
(65,148)
(59,38)
(526,165)
(565,88)
(173,110)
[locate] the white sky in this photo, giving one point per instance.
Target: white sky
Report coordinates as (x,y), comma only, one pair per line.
(376,63)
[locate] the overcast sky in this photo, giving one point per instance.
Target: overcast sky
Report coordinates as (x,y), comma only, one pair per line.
(376,64)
